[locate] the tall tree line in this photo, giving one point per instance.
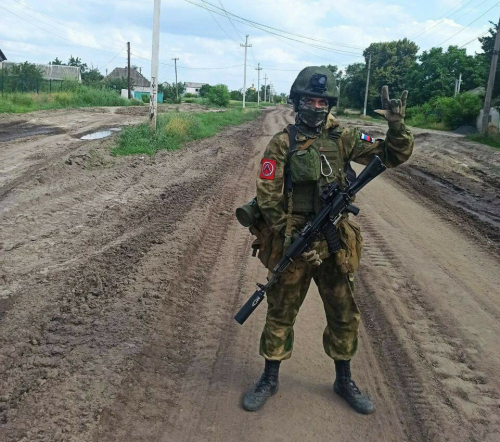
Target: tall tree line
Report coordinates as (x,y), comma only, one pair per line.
(426,76)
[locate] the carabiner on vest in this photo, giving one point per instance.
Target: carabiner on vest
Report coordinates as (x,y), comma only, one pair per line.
(323,158)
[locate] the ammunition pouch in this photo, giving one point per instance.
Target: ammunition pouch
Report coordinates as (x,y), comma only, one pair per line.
(348,257)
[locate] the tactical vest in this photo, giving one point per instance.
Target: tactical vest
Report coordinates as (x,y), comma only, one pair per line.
(308,171)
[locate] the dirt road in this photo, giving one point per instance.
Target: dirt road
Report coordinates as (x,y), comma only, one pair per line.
(119,279)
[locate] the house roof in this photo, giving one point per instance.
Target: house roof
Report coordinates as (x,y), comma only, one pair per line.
(2,56)
(195,85)
(53,72)
(137,78)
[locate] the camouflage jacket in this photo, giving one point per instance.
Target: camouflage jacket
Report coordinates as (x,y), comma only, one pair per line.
(336,146)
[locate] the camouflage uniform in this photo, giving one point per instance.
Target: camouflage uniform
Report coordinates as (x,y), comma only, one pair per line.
(330,151)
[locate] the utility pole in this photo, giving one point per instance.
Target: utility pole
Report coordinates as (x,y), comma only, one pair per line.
(128,70)
(246,45)
(459,84)
(258,69)
(265,88)
(491,82)
(367,84)
(153,104)
(176,87)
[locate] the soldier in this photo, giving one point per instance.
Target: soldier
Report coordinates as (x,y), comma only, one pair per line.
(314,152)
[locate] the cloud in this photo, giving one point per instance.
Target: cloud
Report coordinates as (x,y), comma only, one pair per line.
(96,31)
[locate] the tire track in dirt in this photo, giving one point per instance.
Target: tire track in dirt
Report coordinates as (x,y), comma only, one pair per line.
(89,294)
(202,278)
(440,381)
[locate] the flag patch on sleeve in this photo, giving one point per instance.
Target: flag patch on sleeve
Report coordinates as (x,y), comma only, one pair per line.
(365,137)
(267,169)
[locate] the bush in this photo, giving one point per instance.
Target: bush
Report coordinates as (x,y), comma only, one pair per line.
(145,98)
(204,90)
(452,112)
(219,95)
(189,95)
(236,95)
(460,110)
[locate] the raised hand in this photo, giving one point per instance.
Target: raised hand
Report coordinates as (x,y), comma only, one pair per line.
(392,110)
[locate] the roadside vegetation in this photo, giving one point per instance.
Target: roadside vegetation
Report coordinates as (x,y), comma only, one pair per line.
(176,128)
(82,96)
(446,113)
(490,140)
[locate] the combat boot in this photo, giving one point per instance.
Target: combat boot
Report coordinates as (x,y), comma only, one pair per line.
(266,387)
(346,387)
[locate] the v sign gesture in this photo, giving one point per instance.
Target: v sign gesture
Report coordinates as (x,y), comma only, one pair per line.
(392,110)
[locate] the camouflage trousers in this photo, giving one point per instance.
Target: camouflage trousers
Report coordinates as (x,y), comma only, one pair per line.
(340,338)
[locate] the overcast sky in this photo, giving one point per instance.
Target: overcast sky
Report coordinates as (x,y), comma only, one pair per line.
(97,30)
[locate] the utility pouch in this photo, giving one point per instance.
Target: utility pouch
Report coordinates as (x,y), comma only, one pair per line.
(349,256)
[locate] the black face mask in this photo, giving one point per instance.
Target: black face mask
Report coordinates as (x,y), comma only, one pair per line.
(311,116)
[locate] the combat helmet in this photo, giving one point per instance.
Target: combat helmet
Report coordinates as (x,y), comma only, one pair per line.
(315,81)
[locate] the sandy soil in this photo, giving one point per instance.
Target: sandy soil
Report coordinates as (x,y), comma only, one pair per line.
(119,279)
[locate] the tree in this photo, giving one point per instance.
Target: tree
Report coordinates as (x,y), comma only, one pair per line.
(487,43)
(204,90)
(219,95)
(92,77)
(24,77)
(236,95)
(77,62)
(170,92)
(435,74)
(57,62)
(353,89)
(391,64)
(117,84)
(251,95)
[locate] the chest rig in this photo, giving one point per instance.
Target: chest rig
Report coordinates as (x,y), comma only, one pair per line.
(310,167)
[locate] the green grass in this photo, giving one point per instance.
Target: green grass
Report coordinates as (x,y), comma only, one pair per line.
(423,124)
(176,128)
(232,103)
(82,96)
(249,104)
(490,140)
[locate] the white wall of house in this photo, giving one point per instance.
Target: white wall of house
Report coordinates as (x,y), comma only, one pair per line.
(193,90)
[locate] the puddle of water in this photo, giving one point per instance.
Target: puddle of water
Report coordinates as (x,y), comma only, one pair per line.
(100,134)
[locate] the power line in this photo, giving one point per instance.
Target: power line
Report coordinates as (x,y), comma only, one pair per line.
(230,21)
(260,25)
(57,35)
(116,56)
(472,22)
(223,30)
(456,20)
(42,13)
(441,19)
(474,39)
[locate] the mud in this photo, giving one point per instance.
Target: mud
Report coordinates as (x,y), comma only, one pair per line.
(9,132)
(119,278)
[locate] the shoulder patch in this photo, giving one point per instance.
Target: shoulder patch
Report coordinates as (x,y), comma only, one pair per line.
(267,169)
(367,138)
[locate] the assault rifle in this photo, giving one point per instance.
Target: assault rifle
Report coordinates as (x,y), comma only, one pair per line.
(336,202)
